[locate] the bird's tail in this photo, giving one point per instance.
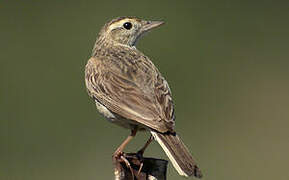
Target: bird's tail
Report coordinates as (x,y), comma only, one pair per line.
(178,154)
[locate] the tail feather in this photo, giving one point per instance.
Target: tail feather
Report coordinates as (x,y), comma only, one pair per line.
(178,154)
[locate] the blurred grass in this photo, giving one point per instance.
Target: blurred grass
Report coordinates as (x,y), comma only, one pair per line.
(226,63)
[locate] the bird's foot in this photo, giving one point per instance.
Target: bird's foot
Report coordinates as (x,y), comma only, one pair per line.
(139,155)
(117,154)
(128,165)
(120,157)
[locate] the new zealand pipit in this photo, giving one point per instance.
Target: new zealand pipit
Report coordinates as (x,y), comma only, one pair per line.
(130,91)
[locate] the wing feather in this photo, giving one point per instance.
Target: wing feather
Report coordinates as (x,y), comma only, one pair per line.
(132,93)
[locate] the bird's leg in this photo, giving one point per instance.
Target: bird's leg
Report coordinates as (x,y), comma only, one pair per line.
(120,149)
(118,154)
(141,151)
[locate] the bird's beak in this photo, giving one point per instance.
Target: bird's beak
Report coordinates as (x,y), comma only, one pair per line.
(145,27)
(148,25)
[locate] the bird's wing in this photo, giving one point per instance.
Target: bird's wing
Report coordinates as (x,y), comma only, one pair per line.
(140,93)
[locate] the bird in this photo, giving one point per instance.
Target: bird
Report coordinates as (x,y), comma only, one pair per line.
(130,91)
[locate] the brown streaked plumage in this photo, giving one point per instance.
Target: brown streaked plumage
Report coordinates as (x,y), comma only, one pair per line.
(130,91)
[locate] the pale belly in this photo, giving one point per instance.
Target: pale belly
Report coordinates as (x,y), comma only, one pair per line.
(114,118)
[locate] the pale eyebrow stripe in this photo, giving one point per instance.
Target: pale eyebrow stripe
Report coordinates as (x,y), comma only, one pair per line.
(117,24)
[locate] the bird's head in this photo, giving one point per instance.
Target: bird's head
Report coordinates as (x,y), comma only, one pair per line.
(127,30)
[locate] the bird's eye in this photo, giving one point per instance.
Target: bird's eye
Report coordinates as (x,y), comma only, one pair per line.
(127,25)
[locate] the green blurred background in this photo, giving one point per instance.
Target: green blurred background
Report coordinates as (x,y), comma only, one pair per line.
(226,63)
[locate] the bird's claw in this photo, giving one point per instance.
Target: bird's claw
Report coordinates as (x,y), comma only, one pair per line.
(127,165)
(139,155)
